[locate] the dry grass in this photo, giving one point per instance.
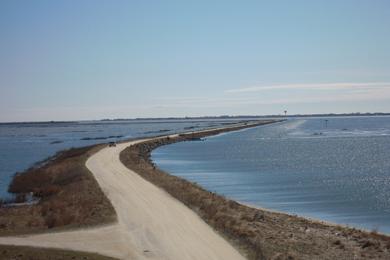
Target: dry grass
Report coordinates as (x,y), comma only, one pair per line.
(30,253)
(69,196)
(259,234)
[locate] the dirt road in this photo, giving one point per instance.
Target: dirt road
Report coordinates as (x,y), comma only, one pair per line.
(151,224)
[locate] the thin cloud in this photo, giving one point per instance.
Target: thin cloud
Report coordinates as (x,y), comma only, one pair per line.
(315,86)
(346,92)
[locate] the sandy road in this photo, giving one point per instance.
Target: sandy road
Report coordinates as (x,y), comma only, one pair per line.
(151,224)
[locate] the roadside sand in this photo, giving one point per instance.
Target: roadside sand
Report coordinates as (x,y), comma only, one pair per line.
(151,223)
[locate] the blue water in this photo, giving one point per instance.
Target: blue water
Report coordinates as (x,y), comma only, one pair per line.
(336,170)
(22,145)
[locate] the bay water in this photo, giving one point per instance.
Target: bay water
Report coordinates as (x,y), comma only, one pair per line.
(335,169)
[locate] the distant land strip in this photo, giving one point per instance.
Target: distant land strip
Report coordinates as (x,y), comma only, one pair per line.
(244,117)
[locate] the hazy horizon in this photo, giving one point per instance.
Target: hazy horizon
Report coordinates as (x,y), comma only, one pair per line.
(90,60)
(221,117)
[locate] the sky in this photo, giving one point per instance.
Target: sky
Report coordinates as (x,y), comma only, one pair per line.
(84,60)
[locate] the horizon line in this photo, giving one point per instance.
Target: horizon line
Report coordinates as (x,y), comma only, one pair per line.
(201,117)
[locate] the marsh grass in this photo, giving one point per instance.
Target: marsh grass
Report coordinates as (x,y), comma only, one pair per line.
(69,196)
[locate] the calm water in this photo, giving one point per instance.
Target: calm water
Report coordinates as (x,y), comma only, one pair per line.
(336,170)
(22,145)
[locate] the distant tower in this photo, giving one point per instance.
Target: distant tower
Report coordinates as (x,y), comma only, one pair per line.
(285,112)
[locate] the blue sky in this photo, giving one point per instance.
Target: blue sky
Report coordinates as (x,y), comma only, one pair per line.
(69,60)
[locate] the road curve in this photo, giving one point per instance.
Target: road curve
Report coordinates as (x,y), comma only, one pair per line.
(151,224)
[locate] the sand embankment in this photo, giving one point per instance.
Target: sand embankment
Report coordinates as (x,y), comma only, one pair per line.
(151,223)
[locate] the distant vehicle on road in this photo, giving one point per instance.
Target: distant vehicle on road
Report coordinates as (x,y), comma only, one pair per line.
(112,144)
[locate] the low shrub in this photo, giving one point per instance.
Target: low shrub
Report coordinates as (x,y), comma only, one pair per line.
(67,193)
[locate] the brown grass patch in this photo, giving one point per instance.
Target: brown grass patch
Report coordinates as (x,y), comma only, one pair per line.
(69,196)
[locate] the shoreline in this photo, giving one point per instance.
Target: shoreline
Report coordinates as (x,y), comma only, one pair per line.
(310,218)
(66,183)
(295,236)
(315,220)
(150,223)
(257,233)
(67,193)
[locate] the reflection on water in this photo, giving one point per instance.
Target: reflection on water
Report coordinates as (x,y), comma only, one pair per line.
(334,169)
